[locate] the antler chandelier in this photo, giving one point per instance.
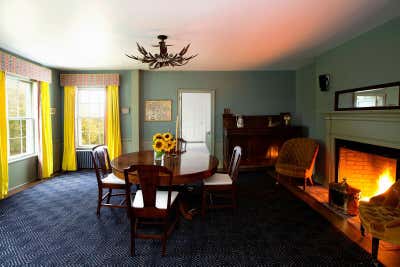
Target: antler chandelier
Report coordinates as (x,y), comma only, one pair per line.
(163,59)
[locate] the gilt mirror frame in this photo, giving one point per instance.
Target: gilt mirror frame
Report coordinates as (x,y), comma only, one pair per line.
(361,89)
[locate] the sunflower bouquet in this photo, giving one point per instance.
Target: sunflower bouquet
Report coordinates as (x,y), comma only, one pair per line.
(163,143)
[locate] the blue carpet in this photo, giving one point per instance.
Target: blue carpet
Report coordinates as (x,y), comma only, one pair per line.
(54,223)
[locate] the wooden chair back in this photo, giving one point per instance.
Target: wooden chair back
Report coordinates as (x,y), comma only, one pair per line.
(150,177)
(233,168)
(101,162)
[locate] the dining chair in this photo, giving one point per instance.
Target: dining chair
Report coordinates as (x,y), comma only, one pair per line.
(223,185)
(106,179)
(151,205)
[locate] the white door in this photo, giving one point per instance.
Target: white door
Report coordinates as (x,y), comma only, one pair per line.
(196,111)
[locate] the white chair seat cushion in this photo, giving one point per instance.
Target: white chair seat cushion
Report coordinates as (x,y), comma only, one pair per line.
(161,199)
(218,179)
(112,179)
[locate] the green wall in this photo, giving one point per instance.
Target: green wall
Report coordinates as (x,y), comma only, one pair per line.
(371,58)
(305,97)
(244,92)
(250,93)
(24,171)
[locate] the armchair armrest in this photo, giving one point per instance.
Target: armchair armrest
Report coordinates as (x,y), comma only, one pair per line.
(378,200)
(393,224)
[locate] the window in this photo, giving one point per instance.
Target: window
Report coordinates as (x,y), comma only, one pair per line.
(90,116)
(21,107)
(370,100)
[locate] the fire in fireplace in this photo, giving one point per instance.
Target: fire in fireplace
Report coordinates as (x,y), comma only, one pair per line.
(272,152)
(369,168)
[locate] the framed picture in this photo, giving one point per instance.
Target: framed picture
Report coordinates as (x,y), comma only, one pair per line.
(157,110)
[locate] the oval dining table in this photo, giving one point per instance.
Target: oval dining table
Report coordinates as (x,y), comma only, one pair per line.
(187,168)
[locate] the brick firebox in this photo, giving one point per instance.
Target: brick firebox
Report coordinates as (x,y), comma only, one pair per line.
(363,165)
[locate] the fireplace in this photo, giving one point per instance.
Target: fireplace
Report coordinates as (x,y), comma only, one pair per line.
(369,168)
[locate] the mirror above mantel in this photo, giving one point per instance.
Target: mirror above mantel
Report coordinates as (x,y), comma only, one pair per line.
(382,96)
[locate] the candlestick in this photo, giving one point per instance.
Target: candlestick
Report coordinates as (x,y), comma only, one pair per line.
(176,127)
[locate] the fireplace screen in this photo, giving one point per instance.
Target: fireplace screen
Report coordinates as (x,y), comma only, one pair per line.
(371,173)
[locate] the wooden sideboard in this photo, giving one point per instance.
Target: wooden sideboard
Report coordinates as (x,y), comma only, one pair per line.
(260,143)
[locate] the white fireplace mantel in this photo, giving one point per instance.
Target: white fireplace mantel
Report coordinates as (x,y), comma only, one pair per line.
(376,127)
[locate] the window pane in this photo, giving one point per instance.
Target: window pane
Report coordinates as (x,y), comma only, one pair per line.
(92,131)
(12,102)
(366,101)
(30,137)
(84,132)
(84,109)
(83,96)
(15,146)
(14,127)
(26,89)
(23,127)
(21,124)
(23,145)
(95,111)
(91,109)
(21,102)
(380,101)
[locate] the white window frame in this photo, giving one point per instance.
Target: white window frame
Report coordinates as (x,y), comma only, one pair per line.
(34,118)
(77,116)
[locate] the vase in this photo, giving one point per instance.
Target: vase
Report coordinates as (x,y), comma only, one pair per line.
(159,156)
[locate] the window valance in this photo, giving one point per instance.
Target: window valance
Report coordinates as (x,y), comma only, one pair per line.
(15,65)
(89,80)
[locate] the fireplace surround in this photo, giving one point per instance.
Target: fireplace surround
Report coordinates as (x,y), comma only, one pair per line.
(376,131)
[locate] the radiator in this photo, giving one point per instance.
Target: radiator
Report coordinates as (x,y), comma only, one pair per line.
(84,159)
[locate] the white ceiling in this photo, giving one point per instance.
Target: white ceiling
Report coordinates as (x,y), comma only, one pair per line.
(227,34)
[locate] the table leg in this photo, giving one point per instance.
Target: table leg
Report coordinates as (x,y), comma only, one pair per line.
(187,212)
(184,212)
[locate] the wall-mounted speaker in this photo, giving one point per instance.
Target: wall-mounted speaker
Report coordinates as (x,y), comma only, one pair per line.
(323,82)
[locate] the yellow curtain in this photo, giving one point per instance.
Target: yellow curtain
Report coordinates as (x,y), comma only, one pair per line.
(46,131)
(113,131)
(3,138)
(69,154)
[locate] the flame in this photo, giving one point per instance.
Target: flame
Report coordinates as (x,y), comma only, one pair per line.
(272,152)
(385,181)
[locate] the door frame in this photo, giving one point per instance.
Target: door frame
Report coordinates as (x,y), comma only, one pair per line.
(179,111)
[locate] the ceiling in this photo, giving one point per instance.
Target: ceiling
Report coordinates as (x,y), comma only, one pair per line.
(227,34)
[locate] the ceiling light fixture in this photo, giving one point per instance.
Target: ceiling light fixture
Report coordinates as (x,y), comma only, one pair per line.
(163,59)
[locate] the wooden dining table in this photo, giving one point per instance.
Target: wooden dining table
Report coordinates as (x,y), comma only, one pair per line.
(187,168)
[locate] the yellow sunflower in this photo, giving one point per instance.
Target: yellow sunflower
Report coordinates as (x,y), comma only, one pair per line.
(159,145)
(167,136)
(173,144)
(157,136)
(170,145)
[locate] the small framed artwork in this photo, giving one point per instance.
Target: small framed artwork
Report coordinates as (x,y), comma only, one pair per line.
(158,110)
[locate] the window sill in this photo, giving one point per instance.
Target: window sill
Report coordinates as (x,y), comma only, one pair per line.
(88,148)
(14,160)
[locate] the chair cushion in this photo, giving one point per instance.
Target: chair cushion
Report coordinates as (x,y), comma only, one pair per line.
(293,170)
(218,179)
(382,222)
(112,179)
(161,199)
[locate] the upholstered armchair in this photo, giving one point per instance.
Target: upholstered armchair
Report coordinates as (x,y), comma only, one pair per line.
(297,159)
(381,217)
